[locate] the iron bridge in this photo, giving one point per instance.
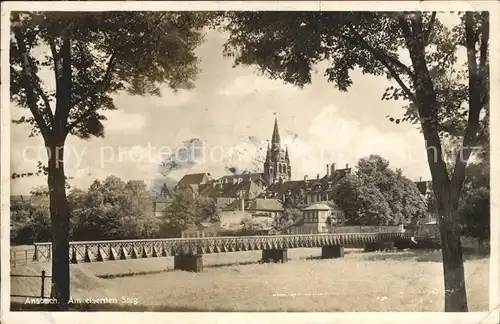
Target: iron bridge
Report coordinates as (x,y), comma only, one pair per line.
(92,251)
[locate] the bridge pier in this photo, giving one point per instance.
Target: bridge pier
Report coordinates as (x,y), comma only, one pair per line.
(275,255)
(192,263)
(332,251)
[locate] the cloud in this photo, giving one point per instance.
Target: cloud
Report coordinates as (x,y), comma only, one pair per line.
(247,84)
(184,157)
(122,121)
(333,139)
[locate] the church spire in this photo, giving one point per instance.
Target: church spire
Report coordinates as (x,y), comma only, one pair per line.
(277,165)
(276,135)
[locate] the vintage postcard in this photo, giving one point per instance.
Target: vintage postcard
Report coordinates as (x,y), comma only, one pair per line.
(250,161)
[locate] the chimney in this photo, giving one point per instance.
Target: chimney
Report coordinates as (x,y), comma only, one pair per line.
(305,178)
(317,176)
(328,170)
(347,165)
(332,169)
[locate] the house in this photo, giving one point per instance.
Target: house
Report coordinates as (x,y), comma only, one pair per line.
(258,207)
(204,229)
(222,202)
(193,180)
(162,201)
(245,176)
(308,191)
(316,218)
(428,230)
(425,189)
(228,221)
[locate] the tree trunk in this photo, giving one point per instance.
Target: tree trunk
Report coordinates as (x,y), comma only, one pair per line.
(59,216)
(455,297)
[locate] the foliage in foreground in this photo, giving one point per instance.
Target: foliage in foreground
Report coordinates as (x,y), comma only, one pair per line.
(377,195)
(111,209)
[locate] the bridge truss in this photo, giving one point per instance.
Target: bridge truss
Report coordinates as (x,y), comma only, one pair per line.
(188,251)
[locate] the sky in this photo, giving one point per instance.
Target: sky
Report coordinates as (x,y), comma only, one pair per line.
(228,118)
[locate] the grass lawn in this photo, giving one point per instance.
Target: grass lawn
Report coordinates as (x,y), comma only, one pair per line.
(388,281)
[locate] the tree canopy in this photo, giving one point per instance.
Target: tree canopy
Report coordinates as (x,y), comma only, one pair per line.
(439,93)
(113,209)
(108,209)
(288,46)
(377,195)
(91,56)
(94,55)
(187,209)
(30,217)
(362,202)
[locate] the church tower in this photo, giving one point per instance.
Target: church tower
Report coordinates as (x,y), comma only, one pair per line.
(277,165)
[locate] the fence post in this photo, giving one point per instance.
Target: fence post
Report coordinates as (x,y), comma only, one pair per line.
(26,256)
(14,258)
(35,255)
(43,285)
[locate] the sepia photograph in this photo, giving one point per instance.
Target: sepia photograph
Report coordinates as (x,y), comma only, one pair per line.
(248,160)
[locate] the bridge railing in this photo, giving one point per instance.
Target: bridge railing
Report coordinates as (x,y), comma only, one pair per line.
(89,251)
(365,229)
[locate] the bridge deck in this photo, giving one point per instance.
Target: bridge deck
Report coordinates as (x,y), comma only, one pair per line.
(89,251)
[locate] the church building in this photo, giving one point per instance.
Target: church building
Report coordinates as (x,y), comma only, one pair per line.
(277,167)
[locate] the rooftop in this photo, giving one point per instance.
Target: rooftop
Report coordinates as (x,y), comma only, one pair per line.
(318,207)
